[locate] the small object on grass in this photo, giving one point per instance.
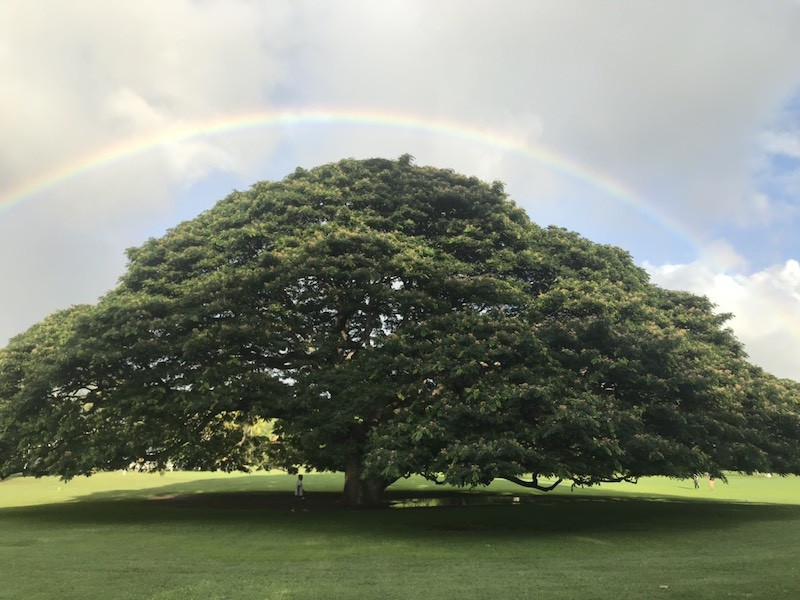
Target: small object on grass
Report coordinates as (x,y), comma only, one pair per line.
(663,587)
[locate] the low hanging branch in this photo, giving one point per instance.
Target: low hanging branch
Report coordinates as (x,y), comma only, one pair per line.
(534,483)
(588,481)
(434,478)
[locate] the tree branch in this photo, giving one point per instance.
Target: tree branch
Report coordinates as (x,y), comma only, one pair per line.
(534,483)
(587,481)
(434,479)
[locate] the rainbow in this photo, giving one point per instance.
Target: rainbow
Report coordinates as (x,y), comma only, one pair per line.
(216,126)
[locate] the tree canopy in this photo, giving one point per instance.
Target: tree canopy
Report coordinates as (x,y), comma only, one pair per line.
(390,319)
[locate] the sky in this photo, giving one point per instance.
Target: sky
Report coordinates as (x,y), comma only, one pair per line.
(670,128)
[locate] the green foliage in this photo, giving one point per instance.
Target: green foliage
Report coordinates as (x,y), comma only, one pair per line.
(391,319)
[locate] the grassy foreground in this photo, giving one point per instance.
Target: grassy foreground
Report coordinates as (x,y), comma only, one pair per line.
(214,536)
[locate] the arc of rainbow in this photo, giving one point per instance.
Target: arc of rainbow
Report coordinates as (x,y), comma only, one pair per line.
(225,124)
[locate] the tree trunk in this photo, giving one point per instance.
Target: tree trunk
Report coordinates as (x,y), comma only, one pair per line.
(358,492)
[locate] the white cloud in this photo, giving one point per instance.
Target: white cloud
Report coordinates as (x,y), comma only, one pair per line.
(762,211)
(81,77)
(722,257)
(765,305)
(761,208)
(666,97)
(786,143)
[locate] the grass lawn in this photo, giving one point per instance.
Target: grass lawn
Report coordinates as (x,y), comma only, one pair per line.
(214,536)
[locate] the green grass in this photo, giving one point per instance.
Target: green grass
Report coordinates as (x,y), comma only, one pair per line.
(213,536)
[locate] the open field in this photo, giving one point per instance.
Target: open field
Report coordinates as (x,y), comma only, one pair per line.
(214,536)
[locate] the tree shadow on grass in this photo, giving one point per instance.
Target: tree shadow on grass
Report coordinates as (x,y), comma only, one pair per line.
(436,513)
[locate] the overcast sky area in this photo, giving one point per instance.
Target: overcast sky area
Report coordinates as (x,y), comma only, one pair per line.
(668,128)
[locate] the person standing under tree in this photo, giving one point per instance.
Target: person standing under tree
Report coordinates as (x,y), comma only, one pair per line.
(299,495)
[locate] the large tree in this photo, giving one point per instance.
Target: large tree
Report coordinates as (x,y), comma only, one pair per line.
(391,319)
